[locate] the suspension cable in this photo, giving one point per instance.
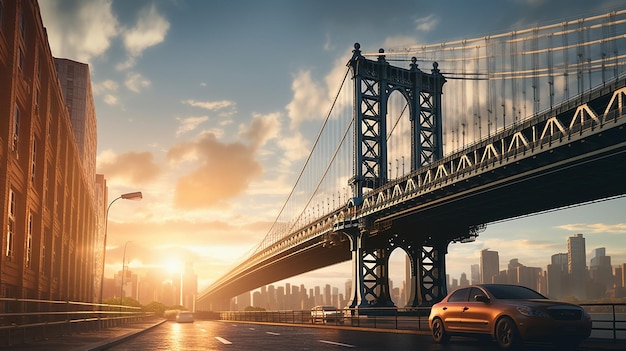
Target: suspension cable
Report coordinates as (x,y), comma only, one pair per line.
(317,139)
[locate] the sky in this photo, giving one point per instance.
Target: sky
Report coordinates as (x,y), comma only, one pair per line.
(204,107)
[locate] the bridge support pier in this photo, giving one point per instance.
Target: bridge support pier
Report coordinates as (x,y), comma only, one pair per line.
(370,272)
(370,268)
(428,274)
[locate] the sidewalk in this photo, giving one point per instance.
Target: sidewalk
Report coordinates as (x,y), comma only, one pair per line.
(90,341)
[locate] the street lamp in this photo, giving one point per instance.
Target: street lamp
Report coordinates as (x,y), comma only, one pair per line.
(128,196)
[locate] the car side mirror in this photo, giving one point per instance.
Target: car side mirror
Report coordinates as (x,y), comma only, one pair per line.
(481,298)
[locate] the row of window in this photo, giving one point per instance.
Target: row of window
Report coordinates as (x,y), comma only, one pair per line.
(9,250)
(15,144)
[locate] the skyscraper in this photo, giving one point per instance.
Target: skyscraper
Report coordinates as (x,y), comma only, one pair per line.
(576,264)
(600,269)
(557,275)
(489,265)
(76,87)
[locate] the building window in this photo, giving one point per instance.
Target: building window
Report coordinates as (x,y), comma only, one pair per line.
(29,241)
(53,264)
(16,127)
(9,250)
(33,162)
(42,266)
(20,59)
(37,100)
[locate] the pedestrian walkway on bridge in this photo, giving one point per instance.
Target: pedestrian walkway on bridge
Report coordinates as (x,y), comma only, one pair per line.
(91,340)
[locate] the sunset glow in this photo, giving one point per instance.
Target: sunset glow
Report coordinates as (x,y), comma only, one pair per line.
(210,111)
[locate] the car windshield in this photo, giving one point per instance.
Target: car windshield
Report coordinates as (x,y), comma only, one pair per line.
(505,292)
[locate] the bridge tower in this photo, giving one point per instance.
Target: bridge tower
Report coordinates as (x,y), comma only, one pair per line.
(371,245)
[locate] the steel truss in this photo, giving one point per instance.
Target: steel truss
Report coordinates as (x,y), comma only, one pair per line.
(374,81)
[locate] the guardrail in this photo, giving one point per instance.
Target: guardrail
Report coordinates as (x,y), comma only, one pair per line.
(609,319)
(415,319)
(27,320)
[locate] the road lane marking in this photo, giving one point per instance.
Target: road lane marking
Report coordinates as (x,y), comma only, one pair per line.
(204,330)
(272,333)
(251,328)
(223,341)
(336,343)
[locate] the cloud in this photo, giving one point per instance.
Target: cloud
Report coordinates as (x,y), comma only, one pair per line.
(222,171)
(309,99)
(79,30)
(105,86)
(110,99)
(426,24)
(190,123)
(595,228)
(295,145)
(135,82)
(134,168)
(150,30)
(210,105)
(261,129)
(108,88)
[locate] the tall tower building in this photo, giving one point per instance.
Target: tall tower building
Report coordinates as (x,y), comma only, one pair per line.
(557,276)
(475,273)
(489,265)
(576,265)
(600,268)
(76,87)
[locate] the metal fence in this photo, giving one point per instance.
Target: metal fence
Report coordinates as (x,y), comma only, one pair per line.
(27,320)
(609,319)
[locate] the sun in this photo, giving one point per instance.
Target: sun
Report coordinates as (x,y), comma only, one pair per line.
(172,265)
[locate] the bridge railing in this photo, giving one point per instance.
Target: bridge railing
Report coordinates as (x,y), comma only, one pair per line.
(381,318)
(27,320)
(609,319)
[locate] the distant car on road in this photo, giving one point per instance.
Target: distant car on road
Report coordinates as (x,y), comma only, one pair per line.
(325,314)
(184,317)
(510,314)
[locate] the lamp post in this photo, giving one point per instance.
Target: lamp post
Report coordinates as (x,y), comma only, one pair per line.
(122,281)
(128,196)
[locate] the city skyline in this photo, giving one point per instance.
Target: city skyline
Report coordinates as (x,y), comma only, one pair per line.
(178,99)
(397,268)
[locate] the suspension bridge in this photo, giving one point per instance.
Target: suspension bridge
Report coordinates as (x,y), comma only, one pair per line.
(424,146)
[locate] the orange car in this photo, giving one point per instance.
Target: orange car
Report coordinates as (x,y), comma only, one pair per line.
(510,314)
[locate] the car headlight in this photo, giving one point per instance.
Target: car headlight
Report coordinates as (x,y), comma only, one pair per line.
(531,312)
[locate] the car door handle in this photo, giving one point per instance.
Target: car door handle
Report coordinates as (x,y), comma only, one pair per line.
(445,308)
(465,308)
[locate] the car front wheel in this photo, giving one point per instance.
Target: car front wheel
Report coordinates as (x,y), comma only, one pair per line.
(506,333)
(439,332)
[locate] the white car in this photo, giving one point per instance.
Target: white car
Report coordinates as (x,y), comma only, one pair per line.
(184,317)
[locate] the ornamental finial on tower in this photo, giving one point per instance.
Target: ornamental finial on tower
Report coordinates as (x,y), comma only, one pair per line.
(413,64)
(435,68)
(381,57)
(356,53)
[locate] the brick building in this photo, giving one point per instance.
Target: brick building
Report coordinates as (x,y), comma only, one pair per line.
(49,217)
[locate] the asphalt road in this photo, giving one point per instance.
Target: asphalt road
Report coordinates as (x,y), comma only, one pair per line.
(213,335)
